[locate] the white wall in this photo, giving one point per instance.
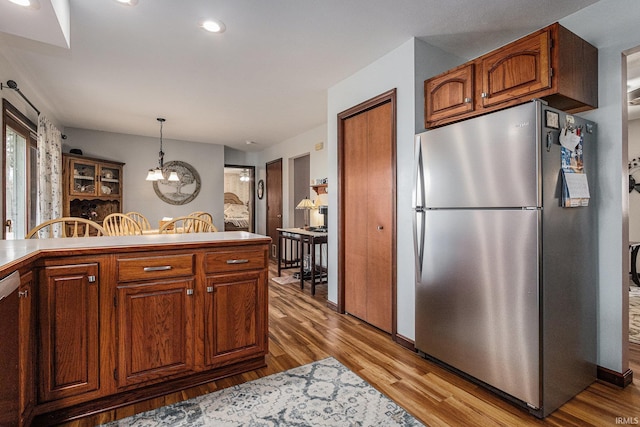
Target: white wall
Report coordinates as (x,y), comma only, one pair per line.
(634,196)
(8,73)
(140,153)
(611,26)
(288,150)
(234,157)
(405,69)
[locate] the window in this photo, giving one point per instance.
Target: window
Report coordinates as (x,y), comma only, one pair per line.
(20,173)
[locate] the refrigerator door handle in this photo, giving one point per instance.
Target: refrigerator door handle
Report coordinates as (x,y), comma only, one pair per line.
(418,240)
(418,206)
(417,200)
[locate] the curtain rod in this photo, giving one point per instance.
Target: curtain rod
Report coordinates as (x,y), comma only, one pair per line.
(11,84)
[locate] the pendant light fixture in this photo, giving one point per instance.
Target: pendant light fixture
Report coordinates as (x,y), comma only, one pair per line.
(157,174)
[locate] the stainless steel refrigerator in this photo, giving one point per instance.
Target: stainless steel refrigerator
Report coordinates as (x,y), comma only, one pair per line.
(505,284)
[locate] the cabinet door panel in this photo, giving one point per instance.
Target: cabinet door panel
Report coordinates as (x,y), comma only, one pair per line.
(27,347)
(235,323)
(450,94)
(356,184)
(83,178)
(69,323)
(518,69)
(155,331)
(380,219)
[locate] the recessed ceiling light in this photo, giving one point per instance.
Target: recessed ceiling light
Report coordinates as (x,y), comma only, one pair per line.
(214,26)
(128,2)
(32,4)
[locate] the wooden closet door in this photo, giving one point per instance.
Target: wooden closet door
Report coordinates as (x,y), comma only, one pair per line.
(368,225)
(356,186)
(380,197)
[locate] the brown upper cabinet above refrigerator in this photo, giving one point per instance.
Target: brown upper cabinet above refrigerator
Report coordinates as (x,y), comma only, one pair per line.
(552,63)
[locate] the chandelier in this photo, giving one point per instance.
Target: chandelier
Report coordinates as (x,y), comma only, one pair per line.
(157,174)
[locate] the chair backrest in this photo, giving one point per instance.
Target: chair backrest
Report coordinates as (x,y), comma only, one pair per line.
(204,215)
(118,224)
(69,227)
(142,220)
(187,224)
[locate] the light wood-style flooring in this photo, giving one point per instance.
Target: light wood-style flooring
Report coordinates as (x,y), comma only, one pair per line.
(303,329)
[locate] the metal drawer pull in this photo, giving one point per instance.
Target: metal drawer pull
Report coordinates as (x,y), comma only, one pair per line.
(237,261)
(209,289)
(159,268)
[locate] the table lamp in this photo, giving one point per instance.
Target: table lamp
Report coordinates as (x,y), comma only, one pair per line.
(306,204)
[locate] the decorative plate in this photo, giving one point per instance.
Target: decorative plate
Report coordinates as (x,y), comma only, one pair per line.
(178,192)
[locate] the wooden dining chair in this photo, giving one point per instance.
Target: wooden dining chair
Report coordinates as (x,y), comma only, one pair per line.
(201,214)
(68,226)
(142,220)
(187,224)
(118,224)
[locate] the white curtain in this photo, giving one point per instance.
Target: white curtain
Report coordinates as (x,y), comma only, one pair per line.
(49,172)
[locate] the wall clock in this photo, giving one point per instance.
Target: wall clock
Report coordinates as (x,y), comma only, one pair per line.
(178,192)
(260,189)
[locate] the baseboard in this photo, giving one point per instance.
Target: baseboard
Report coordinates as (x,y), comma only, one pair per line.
(616,378)
(405,342)
(332,305)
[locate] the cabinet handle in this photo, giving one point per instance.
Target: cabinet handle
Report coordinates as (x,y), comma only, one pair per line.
(467,100)
(23,294)
(159,268)
(189,291)
(484,94)
(237,261)
(92,279)
(209,289)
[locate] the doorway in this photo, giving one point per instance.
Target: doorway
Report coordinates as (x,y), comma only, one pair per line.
(239,199)
(367,216)
(633,152)
(301,189)
(19,173)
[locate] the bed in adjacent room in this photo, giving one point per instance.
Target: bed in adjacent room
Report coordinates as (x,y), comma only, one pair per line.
(236,213)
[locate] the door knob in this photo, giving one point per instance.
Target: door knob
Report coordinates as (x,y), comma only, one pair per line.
(9,225)
(380,227)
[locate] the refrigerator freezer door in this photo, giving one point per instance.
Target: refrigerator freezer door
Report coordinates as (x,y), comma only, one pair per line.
(477,301)
(489,161)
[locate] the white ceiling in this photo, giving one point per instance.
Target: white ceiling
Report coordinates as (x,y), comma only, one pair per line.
(265,79)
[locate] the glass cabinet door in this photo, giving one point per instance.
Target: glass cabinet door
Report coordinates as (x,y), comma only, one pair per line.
(84,178)
(109,181)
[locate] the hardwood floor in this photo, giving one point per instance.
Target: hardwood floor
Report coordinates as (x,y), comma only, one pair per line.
(303,329)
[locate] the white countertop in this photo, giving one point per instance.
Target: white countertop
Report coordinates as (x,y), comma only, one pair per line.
(14,251)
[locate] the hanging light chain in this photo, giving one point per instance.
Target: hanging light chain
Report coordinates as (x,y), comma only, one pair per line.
(161,153)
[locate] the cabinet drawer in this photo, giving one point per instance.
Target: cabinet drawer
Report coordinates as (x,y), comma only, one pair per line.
(154,267)
(235,260)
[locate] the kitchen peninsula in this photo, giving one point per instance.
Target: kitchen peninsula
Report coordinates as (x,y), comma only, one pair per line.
(101,322)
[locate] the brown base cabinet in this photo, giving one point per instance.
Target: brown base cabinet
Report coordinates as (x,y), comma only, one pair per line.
(553,64)
(69,345)
(234,325)
(115,328)
(155,331)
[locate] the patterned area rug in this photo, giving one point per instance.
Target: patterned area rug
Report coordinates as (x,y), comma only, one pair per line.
(323,393)
(634,314)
